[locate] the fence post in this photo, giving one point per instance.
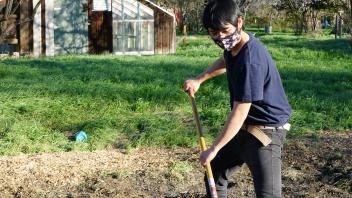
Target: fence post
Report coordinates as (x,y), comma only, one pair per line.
(336,22)
(184,33)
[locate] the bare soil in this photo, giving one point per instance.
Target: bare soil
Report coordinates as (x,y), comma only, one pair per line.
(312,167)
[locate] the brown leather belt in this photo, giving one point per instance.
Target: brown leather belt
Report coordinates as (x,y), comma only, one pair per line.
(256,131)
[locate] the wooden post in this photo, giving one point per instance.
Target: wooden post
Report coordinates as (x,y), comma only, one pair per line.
(184,33)
(49,28)
(340,24)
(166,34)
(157,32)
(173,38)
(37,31)
(43,45)
(336,25)
(255,22)
(26,31)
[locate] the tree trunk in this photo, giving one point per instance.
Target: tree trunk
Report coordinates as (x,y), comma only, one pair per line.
(351,17)
(299,27)
(351,8)
(314,20)
(304,22)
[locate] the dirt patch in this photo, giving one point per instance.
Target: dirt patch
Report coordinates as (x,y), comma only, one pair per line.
(312,167)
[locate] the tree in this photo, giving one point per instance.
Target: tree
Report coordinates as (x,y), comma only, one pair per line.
(297,10)
(264,12)
(305,13)
(317,6)
(192,11)
(8,19)
(346,7)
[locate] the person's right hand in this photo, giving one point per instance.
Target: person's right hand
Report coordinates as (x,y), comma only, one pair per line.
(191,86)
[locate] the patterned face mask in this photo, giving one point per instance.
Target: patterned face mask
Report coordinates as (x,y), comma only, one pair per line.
(229,41)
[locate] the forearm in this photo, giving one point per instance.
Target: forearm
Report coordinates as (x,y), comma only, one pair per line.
(217,68)
(234,123)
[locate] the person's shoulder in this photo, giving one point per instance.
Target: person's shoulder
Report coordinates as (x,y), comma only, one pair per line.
(254,41)
(256,47)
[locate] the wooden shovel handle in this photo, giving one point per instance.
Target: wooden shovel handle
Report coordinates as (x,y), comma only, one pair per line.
(203,147)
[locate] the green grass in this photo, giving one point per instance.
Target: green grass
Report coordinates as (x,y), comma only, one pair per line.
(134,101)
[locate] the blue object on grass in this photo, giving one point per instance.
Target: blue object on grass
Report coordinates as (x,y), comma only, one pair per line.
(81,136)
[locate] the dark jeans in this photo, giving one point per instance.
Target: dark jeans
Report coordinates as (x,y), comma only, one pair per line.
(263,162)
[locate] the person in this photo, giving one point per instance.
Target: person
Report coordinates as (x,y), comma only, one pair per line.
(258,122)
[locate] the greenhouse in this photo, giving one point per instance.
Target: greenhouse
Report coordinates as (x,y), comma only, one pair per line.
(133,28)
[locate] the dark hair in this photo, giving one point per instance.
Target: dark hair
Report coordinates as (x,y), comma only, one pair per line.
(218,13)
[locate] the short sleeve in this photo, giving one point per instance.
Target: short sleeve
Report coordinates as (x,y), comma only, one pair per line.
(249,83)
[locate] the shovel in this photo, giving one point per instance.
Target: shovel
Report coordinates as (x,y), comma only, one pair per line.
(203,147)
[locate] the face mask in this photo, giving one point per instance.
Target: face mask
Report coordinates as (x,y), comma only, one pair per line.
(229,41)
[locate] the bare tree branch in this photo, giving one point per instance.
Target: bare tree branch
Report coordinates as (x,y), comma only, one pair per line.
(10,9)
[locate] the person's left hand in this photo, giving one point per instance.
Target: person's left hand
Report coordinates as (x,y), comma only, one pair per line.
(207,155)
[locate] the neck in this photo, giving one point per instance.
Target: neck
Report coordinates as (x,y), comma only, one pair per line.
(243,41)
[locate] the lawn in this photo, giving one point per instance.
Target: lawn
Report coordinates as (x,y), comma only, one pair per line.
(134,101)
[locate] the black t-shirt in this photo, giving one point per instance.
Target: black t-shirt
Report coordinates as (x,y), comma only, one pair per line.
(253,77)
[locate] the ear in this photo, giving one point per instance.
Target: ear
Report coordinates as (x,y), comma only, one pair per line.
(240,22)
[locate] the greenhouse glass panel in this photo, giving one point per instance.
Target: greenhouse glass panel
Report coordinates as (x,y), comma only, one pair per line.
(117,11)
(118,36)
(133,28)
(146,14)
(130,9)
